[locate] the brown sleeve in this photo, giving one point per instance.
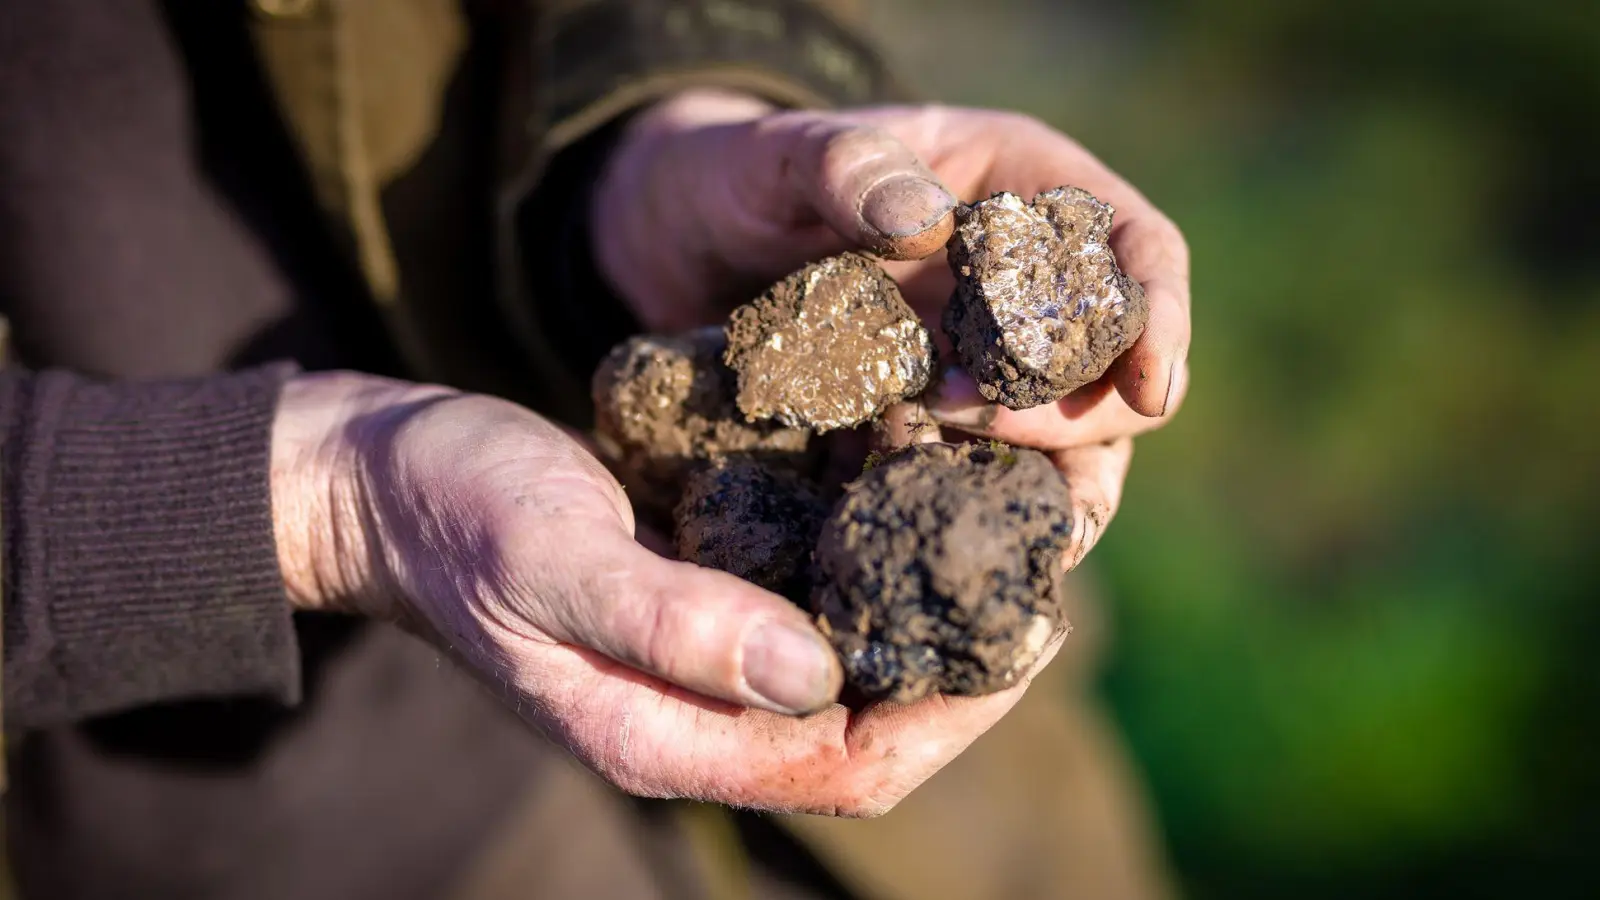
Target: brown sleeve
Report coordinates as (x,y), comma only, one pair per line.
(601,58)
(139,560)
(584,67)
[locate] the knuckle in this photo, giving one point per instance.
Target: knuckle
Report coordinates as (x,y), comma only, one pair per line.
(1170,235)
(686,640)
(643,625)
(657,638)
(798,121)
(1012,120)
(845,149)
(799,134)
(1171,230)
(933,117)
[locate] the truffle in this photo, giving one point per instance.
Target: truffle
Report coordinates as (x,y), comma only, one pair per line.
(940,570)
(831,346)
(665,404)
(752,521)
(1040,307)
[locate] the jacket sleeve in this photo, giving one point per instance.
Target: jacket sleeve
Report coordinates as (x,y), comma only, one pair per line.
(411,113)
(600,58)
(583,70)
(139,559)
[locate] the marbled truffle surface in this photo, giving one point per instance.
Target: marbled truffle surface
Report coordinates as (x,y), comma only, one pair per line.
(831,346)
(1041,307)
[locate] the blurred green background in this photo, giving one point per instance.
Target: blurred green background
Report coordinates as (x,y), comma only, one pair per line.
(1355,585)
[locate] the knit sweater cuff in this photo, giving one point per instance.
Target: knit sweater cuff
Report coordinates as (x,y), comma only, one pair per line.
(141,565)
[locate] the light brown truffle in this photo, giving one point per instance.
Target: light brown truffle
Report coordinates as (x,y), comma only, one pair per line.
(665,404)
(831,346)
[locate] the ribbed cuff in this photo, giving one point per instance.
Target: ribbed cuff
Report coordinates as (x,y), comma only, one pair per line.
(139,538)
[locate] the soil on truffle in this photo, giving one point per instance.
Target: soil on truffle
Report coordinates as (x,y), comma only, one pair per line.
(940,570)
(664,405)
(831,346)
(754,521)
(1041,307)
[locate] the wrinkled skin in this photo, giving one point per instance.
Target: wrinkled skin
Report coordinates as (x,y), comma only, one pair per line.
(498,536)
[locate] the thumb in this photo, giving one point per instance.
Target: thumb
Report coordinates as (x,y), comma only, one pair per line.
(697,628)
(709,190)
(862,182)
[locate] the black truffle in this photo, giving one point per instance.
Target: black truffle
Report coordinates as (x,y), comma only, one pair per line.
(752,521)
(664,405)
(940,570)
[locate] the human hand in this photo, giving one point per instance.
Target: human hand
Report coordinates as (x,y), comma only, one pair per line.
(493,533)
(711,196)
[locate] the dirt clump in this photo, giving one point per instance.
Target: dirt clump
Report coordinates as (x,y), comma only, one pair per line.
(664,405)
(753,521)
(831,346)
(940,569)
(1041,307)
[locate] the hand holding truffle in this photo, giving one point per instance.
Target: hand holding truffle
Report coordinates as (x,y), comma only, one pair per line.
(497,536)
(713,196)
(936,575)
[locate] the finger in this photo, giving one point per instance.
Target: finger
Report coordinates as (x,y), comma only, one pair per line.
(1095,476)
(902,425)
(651,739)
(1093,414)
(927,285)
(866,185)
(1030,157)
(704,630)
(1150,375)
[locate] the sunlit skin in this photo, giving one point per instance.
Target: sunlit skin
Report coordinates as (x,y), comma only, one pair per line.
(497,534)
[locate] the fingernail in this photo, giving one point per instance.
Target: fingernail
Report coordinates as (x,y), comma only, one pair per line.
(958,403)
(1176,377)
(792,669)
(905,205)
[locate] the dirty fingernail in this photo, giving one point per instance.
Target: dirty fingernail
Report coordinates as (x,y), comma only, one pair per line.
(958,404)
(905,205)
(1177,377)
(792,669)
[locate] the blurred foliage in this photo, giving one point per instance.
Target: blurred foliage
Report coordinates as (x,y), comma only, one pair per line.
(1355,584)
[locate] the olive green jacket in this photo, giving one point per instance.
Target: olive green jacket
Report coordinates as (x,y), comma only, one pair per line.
(412,113)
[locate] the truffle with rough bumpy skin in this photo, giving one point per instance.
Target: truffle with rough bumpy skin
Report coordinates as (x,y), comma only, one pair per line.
(1041,307)
(831,346)
(664,405)
(940,570)
(753,521)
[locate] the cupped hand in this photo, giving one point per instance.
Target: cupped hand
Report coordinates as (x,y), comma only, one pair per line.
(711,196)
(493,533)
